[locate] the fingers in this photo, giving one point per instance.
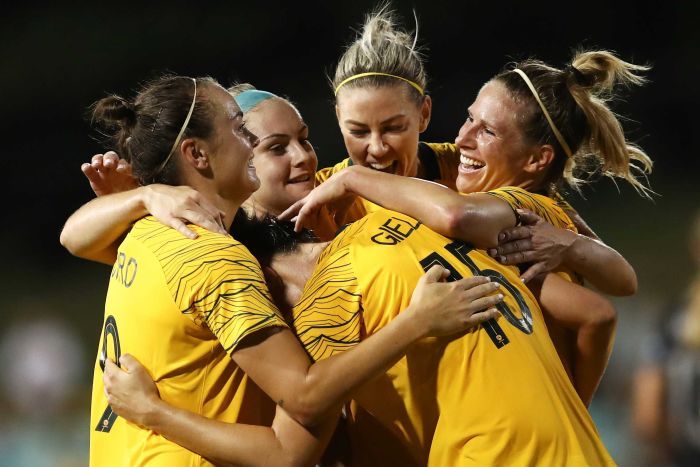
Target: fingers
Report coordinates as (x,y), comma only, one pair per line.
(110,160)
(518,257)
(291,211)
(90,172)
(528,217)
(475,281)
(533,271)
(482,316)
(208,220)
(96,161)
(436,273)
(181,227)
(514,233)
(484,303)
(511,247)
(481,290)
(128,362)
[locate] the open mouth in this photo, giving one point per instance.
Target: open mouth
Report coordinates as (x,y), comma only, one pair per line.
(467,164)
(299,179)
(386,167)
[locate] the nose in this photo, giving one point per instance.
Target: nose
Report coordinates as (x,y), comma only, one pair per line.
(377,146)
(301,156)
(465,137)
(252,138)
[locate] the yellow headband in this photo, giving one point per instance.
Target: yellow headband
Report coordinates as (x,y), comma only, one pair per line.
(554,128)
(182,130)
(375,73)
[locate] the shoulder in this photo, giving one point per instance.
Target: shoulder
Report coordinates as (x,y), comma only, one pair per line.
(325,173)
(177,253)
(547,208)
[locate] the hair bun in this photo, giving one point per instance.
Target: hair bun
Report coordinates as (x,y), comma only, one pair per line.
(114,111)
(578,76)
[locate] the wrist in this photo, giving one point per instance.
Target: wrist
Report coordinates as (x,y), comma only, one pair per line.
(574,247)
(411,326)
(143,198)
(152,417)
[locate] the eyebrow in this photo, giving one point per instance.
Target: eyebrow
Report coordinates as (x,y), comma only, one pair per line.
(393,117)
(485,122)
(283,135)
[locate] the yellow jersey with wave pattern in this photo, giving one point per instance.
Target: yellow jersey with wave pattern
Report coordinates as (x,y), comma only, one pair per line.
(496,395)
(180,307)
(439,162)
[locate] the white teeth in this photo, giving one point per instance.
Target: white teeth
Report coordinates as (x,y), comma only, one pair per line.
(299,179)
(381,165)
(469,161)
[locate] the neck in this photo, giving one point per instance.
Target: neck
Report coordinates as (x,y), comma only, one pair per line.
(295,269)
(254,208)
(225,205)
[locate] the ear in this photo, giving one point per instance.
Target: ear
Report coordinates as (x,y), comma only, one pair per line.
(426,110)
(193,155)
(539,159)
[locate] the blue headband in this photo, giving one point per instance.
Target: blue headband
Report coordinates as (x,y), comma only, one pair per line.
(249,99)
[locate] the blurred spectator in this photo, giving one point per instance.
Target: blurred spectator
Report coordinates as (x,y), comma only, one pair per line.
(666,390)
(43,375)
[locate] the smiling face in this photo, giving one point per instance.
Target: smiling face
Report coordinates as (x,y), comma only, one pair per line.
(231,149)
(491,143)
(380,127)
(284,158)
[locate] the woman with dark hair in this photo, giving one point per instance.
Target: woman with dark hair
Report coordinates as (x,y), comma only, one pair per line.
(198,313)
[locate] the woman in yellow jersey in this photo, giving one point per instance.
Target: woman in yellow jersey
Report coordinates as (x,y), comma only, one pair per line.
(199,311)
(532,127)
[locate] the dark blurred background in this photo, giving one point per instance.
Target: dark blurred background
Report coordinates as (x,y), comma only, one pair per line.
(56,60)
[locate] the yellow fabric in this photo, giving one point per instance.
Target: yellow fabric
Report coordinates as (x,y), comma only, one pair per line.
(551,210)
(180,306)
(446,156)
(449,402)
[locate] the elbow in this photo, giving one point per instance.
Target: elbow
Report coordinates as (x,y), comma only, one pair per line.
(467,223)
(630,285)
(603,315)
(67,241)
(306,410)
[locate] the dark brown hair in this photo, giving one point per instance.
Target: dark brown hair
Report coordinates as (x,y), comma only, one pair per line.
(576,98)
(144,130)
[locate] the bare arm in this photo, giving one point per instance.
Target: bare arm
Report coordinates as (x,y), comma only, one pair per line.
(133,395)
(477,218)
(96,229)
(593,318)
(538,242)
(308,392)
(313,392)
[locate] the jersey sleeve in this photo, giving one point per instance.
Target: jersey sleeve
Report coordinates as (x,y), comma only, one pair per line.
(547,208)
(221,286)
(328,319)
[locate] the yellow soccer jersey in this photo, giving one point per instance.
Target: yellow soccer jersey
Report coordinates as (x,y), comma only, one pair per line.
(180,306)
(551,210)
(497,395)
(439,162)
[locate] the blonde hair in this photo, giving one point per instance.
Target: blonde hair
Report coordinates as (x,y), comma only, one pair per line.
(382,47)
(577,99)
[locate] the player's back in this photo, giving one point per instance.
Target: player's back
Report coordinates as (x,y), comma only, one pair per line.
(497,395)
(166,296)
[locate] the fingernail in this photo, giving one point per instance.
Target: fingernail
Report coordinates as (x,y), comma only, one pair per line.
(502,259)
(500,296)
(497,284)
(501,236)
